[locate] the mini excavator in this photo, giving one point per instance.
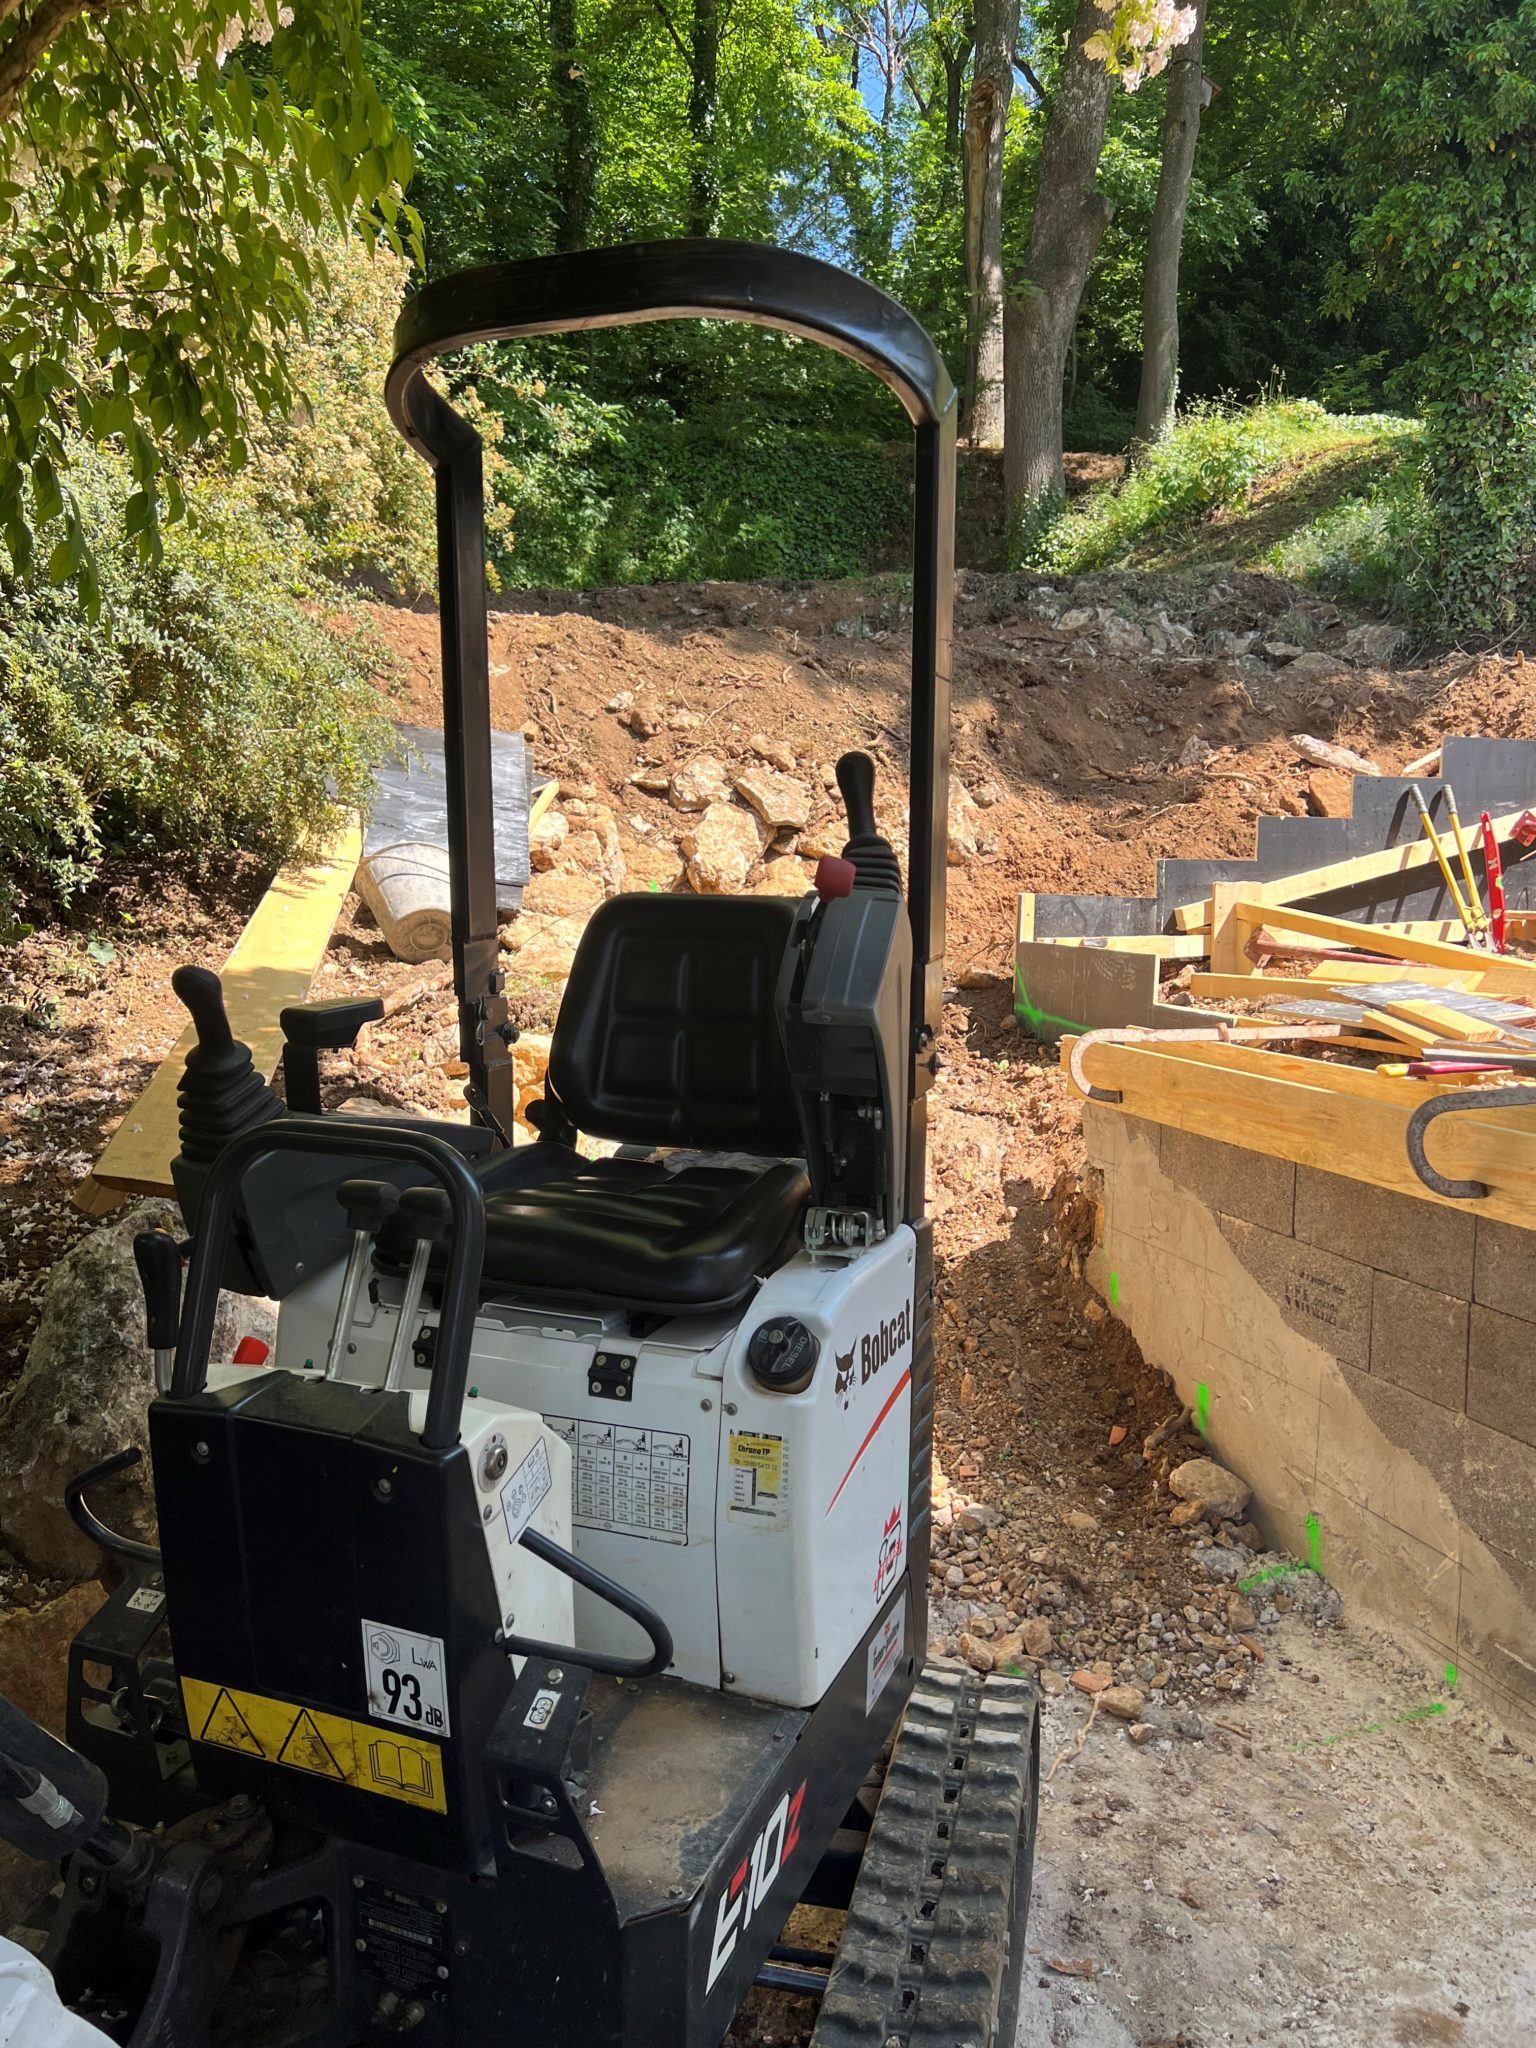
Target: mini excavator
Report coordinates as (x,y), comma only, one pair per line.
(545,1617)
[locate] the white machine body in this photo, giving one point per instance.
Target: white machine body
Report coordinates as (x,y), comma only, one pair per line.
(768,1529)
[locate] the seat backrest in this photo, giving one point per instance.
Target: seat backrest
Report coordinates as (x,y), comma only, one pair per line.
(667,1032)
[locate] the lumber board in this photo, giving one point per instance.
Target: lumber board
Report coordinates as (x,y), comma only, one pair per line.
(1445,1022)
(1258,988)
(1338,874)
(272,964)
(1329,1128)
(1275,1063)
(1496,975)
(1403,1029)
(1166,945)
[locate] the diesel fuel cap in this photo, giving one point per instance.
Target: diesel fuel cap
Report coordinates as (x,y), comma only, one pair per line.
(783,1355)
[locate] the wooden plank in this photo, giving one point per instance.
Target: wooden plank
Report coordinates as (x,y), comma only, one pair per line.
(1341,973)
(1338,874)
(1276,1064)
(1403,1029)
(1257,988)
(1024,928)
(1445,1022)
(273,963)
(1326,1127)
(1496,975)
(1165,945)
(1229,931)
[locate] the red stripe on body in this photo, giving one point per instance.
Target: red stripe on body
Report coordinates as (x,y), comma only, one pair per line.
(895,1395)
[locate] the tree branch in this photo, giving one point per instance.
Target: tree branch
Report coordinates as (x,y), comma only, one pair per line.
(671,27)
(35,32)
(1024,67)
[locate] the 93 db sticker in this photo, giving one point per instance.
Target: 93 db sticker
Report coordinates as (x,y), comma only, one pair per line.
(406,1678)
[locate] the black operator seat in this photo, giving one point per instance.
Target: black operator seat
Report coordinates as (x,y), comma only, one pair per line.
(667,1037)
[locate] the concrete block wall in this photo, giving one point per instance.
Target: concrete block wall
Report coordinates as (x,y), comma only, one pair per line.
(1369,1360)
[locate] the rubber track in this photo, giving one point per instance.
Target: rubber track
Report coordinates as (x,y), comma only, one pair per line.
(921,1961)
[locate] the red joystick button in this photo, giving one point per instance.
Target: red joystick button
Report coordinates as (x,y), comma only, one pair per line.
(834,877)
(251,1351)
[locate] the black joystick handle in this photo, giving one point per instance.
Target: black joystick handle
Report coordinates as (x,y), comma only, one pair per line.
(156,1255)
(876,870)
(369,1204)
(203,994)
(428,1213)
(856,780)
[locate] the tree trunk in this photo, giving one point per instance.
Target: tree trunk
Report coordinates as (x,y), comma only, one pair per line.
(1165,239)
(954,60)
(1069,220)
(986,126)
(578,152)
(703,107)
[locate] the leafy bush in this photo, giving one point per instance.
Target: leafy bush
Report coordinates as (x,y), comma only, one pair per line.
(1209,463)
(205,706)
(1374,545)
(600,492)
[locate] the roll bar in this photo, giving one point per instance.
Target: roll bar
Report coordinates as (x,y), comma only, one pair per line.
(620,287)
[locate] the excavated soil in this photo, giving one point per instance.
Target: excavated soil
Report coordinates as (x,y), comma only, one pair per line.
(1096,727)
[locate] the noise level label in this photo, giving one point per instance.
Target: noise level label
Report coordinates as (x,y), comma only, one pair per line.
(392,1765)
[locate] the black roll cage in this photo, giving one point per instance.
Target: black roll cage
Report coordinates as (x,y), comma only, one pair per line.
(621,287)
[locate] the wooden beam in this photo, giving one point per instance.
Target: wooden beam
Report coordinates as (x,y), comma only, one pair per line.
(273,963)
(1327,1127)
(1403,1029)
(1444,1022)
(1338,874)
(1024,927)
(1165,945)
(1276,1064)
(1496,975)
(1230,931)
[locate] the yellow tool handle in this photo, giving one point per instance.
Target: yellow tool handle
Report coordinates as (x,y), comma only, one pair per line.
(1473,897)
(1445,867)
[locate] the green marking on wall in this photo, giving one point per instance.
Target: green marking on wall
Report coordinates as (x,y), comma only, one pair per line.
(1202,1407)
(1023,1007)
(1450,1677)
(1114,1290)
(1315,1544)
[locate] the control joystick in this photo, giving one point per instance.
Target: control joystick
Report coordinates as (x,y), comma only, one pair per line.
(876,869)
(221,1092)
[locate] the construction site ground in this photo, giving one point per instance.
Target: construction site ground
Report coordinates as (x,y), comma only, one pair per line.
(1310,1839)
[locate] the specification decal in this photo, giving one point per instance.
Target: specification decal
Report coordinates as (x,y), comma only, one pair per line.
(525,1489)
(403,1939)
(391,1764)
(405,1677)
(631,1481)
(758,1471)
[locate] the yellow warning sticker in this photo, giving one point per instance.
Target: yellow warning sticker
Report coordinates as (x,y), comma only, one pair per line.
(394,1765)
(757,1473)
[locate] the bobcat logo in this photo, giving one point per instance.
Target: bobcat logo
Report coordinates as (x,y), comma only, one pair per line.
(845,1374)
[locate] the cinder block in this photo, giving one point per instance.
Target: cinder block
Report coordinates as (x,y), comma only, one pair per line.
(1396,1454)
(1103,1134)
(1385,1567)
(1504,1273)
(1250,1185)
(1419,1340)
(1159,1302)
(1501,1373)
(1241,1319)
(1499,1491)
(1397,1234)
(1325,1297)
(1497,1633)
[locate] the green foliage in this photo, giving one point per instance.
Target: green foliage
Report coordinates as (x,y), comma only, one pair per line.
(599,492)
(1209,463)
(204,706)
(1442,166)
(163,172)
(1371,545)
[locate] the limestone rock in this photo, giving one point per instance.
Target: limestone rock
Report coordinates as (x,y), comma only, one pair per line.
(963,820)
(1007,1650)
(782,803)
(84,1394)
(1220,1494)
(596,849)
(1053,1683)
(1036,1633)
(1125,1702)
(1372,646)
(700,783)
(1090,1681)
(777,753)
(34,1651)
(976,1653)
(1330,794)
(544,952)
(786,877)
(546,839)
(563,895)
(654,781)
(720,848)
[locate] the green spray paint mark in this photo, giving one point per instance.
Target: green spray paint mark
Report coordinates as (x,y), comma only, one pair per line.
(1023,1007)
(1202,1407)
(1371,1727)
(1114,1290)
(1315,1544)
(1272,1571)
(654,887)
(1450,1677)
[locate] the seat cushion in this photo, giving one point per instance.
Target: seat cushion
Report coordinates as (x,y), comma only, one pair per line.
(628,1230)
